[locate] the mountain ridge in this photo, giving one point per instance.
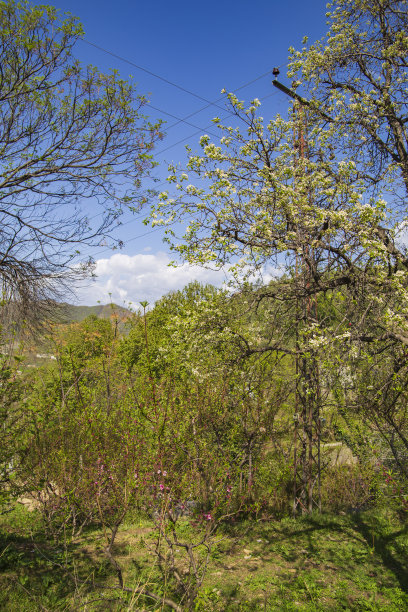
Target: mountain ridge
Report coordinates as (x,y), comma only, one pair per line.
(71,313)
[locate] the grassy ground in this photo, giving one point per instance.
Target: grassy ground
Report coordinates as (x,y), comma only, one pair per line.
(348,562)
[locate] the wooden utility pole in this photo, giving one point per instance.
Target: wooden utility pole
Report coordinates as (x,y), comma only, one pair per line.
(307,422)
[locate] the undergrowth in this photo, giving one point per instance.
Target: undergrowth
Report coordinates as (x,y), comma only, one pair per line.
(320,562)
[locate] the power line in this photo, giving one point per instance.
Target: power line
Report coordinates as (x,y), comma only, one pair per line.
(273,93)
(157,76)
(179,119)
(270,95)
(184,119)
(261,76)
(180,87)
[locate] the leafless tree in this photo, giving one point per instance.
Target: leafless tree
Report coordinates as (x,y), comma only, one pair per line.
(73,150)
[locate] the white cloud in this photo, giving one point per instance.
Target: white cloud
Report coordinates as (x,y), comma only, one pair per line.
(401,236)
(124,278)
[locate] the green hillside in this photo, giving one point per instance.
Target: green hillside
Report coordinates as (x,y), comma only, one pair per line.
(36,345)
(70,313)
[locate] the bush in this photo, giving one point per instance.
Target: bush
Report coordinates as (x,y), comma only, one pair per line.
(349,487)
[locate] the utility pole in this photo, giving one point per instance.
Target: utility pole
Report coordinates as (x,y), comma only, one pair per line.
(307,422)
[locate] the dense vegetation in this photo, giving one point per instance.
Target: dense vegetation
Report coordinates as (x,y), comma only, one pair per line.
(146,461)
(150,463)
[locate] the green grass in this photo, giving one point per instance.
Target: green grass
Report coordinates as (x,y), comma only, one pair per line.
(355,562)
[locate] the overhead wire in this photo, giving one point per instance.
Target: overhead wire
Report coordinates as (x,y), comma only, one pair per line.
(147,71)
(199,130)
(160,110)
(156,229)
(261,76)
(273,93)
(178,119)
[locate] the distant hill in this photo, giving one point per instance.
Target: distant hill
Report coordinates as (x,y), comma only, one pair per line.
(70,313)
(36,346)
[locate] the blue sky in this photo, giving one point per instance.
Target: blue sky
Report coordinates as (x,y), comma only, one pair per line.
(201,48)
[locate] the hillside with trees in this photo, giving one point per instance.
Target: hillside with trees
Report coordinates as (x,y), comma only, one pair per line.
(232,449)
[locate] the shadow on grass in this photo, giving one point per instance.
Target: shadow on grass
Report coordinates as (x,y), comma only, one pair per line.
(367,529)
(39,574)
(386,547)
(332,541)
(35,572)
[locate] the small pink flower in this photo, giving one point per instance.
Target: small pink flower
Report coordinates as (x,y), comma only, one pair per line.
(161,487)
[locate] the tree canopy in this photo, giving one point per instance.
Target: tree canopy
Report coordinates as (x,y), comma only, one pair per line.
(318,186)
(320,196)
(357,77)
(73,141)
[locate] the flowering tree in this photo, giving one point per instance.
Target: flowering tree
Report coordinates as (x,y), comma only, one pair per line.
(357,78)
(305,186)
(315,196)
(257,202)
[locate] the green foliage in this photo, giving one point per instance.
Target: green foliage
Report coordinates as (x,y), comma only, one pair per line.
(188,419)
(72,135)
(355,562)
(350,487)
(170,327)
(105,443)
(84,458)
(12,420)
